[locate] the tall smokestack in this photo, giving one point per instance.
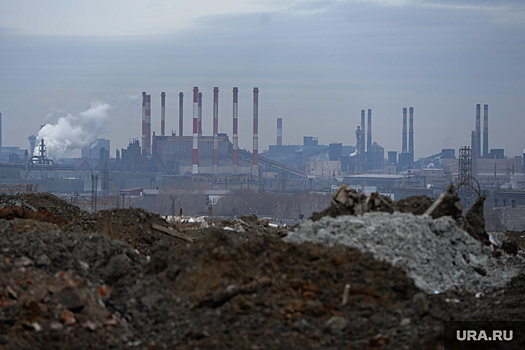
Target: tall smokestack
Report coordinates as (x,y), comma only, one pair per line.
(362,148)
(181,114)
(195,168)
(485,131)
(235,134)
(32,144)
(143,143)
(279,131)
(404,146)
(411,132)
(148,124)
(162,112)
(256,131)
(358,148)
(369,131)
(478,129)
(215,130)
(200,114)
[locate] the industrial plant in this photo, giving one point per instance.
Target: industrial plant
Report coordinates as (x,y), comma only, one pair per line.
(212,166)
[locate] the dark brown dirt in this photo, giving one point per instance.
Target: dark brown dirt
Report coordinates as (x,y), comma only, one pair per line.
(240,289)
(42,215)
(224,293)
(50,202)
(132,226)
(43,311)
(475,222)
(416,205)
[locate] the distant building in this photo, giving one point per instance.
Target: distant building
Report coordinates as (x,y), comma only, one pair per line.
(93,151)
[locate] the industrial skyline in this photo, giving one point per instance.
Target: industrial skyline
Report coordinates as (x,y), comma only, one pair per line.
(440,57)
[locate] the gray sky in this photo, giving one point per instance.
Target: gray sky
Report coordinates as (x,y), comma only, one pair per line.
(316,63)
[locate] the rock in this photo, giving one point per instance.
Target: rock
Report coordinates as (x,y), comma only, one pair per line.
(43,260)
(335,325)
(69,299)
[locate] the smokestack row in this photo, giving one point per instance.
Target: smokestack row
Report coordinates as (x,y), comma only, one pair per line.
(235,134)
(256,131)
(215,130)
(197,126)
(279,131)
(162,113)
(146,123)
(195,168)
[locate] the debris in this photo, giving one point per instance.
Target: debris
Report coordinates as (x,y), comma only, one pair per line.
(345,294)
(246,287)
(172,232)
(88,325)
(335,325)
(36,326)
(437,254)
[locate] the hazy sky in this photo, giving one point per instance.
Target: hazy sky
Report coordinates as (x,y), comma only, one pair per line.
(316,64)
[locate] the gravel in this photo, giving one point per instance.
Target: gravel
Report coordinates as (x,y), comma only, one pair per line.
(436,254)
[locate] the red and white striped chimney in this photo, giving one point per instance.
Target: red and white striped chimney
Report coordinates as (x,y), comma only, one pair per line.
(195,168)
(215,130)
(181,111)
(200,114)
(279,131)
(147,125)
(143,143)
(256,131)
(162,112)
(235,133)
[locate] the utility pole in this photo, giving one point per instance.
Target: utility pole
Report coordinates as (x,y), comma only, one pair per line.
(173,205)
(94,181)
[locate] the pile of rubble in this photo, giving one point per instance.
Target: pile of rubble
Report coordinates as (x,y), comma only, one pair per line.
(360,275)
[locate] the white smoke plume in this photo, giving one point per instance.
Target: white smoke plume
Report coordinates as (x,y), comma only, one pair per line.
(73,132)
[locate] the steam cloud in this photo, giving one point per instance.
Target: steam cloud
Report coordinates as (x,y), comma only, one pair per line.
(73,132)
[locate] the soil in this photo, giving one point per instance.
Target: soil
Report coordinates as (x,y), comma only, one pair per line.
(52,203)
(91,285)
(14,212)
(132,226)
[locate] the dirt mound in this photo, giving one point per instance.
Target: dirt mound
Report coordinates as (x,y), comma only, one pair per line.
(41,310)
(52,203)
(8,200)
(13,212)
(95,257)
(10,228)
(350,202)
(133,226)
(225,293)
(416,205)
(437,254)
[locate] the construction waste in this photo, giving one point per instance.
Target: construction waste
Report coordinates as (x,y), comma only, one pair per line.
(366,273)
